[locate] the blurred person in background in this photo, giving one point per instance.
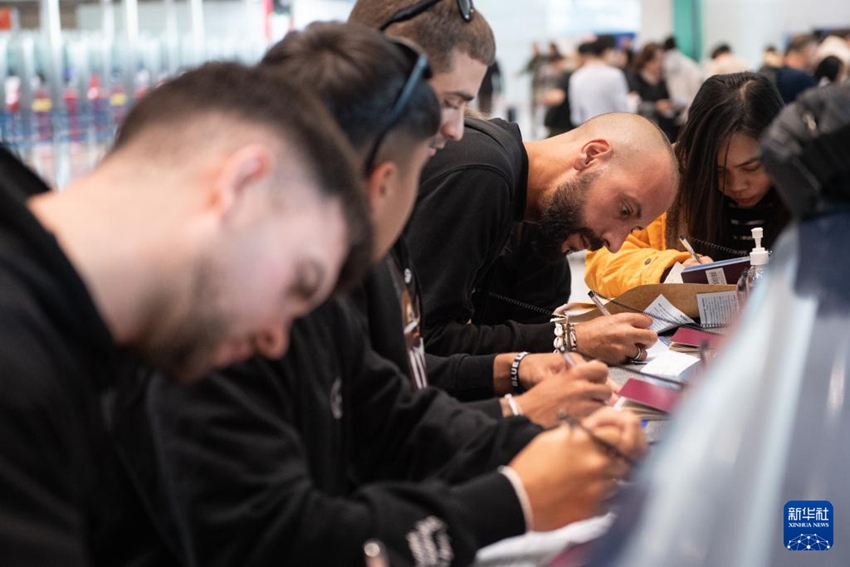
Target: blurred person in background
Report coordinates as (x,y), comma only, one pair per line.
(597,87)
(683,75)
(491,87)
(795,75)
(830,70)
(555,98)
(647,82)
(723,61)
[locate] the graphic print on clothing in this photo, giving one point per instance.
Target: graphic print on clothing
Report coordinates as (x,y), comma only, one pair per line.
(411,321)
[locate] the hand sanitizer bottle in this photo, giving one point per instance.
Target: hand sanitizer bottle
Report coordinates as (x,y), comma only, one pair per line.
(751,276)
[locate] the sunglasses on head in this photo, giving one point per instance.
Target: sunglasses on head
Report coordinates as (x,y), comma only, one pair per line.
(464,6)
(419,71)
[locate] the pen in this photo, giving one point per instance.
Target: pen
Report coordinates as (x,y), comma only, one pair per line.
(599,304)
(569,359)
(684,240)
(610,448)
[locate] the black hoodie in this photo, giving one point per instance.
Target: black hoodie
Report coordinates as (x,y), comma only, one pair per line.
(299,461)
(471,195)
(64,498)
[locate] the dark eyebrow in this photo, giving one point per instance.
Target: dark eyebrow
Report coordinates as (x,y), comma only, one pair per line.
(742,164)
(748,162)
(462,94)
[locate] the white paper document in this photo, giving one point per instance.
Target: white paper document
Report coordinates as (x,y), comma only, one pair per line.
(717,309)
(666,316)
(671,364)
(675,273)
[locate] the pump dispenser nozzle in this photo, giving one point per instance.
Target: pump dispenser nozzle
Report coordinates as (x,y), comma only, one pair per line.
(759,256)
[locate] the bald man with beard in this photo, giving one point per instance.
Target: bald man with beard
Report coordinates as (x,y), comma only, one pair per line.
(584,189)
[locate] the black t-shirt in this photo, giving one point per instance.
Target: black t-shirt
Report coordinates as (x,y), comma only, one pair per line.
(471,194)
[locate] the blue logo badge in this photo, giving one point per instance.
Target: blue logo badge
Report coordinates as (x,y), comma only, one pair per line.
(809,525)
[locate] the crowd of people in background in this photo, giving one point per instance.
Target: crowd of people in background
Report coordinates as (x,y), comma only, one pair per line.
(659,81)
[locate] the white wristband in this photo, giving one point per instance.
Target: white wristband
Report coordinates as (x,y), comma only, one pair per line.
(513,404)
(521,495)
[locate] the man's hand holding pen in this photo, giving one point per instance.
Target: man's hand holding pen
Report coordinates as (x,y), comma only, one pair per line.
(579,390)
(570,470)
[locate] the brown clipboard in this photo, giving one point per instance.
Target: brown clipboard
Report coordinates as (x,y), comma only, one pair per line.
(683,296)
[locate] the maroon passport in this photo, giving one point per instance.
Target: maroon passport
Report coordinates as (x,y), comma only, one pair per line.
(656,397)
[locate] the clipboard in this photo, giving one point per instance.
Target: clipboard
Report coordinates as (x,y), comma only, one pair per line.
(682,295)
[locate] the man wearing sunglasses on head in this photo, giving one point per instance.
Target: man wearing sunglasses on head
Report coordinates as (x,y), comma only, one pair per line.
(299,461)
(457,39)
(460,45)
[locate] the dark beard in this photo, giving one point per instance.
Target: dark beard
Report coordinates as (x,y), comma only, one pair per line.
(182,349)
(562,217)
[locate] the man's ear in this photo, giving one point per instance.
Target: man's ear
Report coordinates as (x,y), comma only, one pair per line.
(379,186)
(240,170)
(598,150)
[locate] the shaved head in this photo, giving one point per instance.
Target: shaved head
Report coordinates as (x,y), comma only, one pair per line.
(634,137)
(593,185)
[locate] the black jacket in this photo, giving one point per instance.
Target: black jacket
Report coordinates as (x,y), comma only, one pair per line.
(390,304)
(64,497)
(471,194)
(299,461)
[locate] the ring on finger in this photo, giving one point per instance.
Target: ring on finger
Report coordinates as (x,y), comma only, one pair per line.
(639,357)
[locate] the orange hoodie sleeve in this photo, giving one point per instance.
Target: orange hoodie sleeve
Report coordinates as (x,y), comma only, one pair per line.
(642,259)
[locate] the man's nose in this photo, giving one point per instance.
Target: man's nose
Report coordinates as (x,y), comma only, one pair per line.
(452,128)
(615,240)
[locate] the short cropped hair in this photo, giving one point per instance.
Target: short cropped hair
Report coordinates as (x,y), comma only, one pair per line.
(359,74)
(439,30)
(231,93)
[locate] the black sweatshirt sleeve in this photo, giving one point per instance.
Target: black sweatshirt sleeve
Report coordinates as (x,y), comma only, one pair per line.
(459,228)
(40,522)
(423,466)
(463,376)
(428,433)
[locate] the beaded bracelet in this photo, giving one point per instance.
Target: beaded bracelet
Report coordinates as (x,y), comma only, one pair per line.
(565,334)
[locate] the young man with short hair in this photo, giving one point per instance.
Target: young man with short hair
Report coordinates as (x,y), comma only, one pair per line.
(329,447)
(222,213)
(457,39)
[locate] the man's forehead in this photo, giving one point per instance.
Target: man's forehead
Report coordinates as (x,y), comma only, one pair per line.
(462,70)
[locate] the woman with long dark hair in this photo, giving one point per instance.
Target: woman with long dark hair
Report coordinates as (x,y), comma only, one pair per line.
(723,189)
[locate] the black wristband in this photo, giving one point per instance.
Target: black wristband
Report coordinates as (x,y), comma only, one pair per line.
(515,383)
